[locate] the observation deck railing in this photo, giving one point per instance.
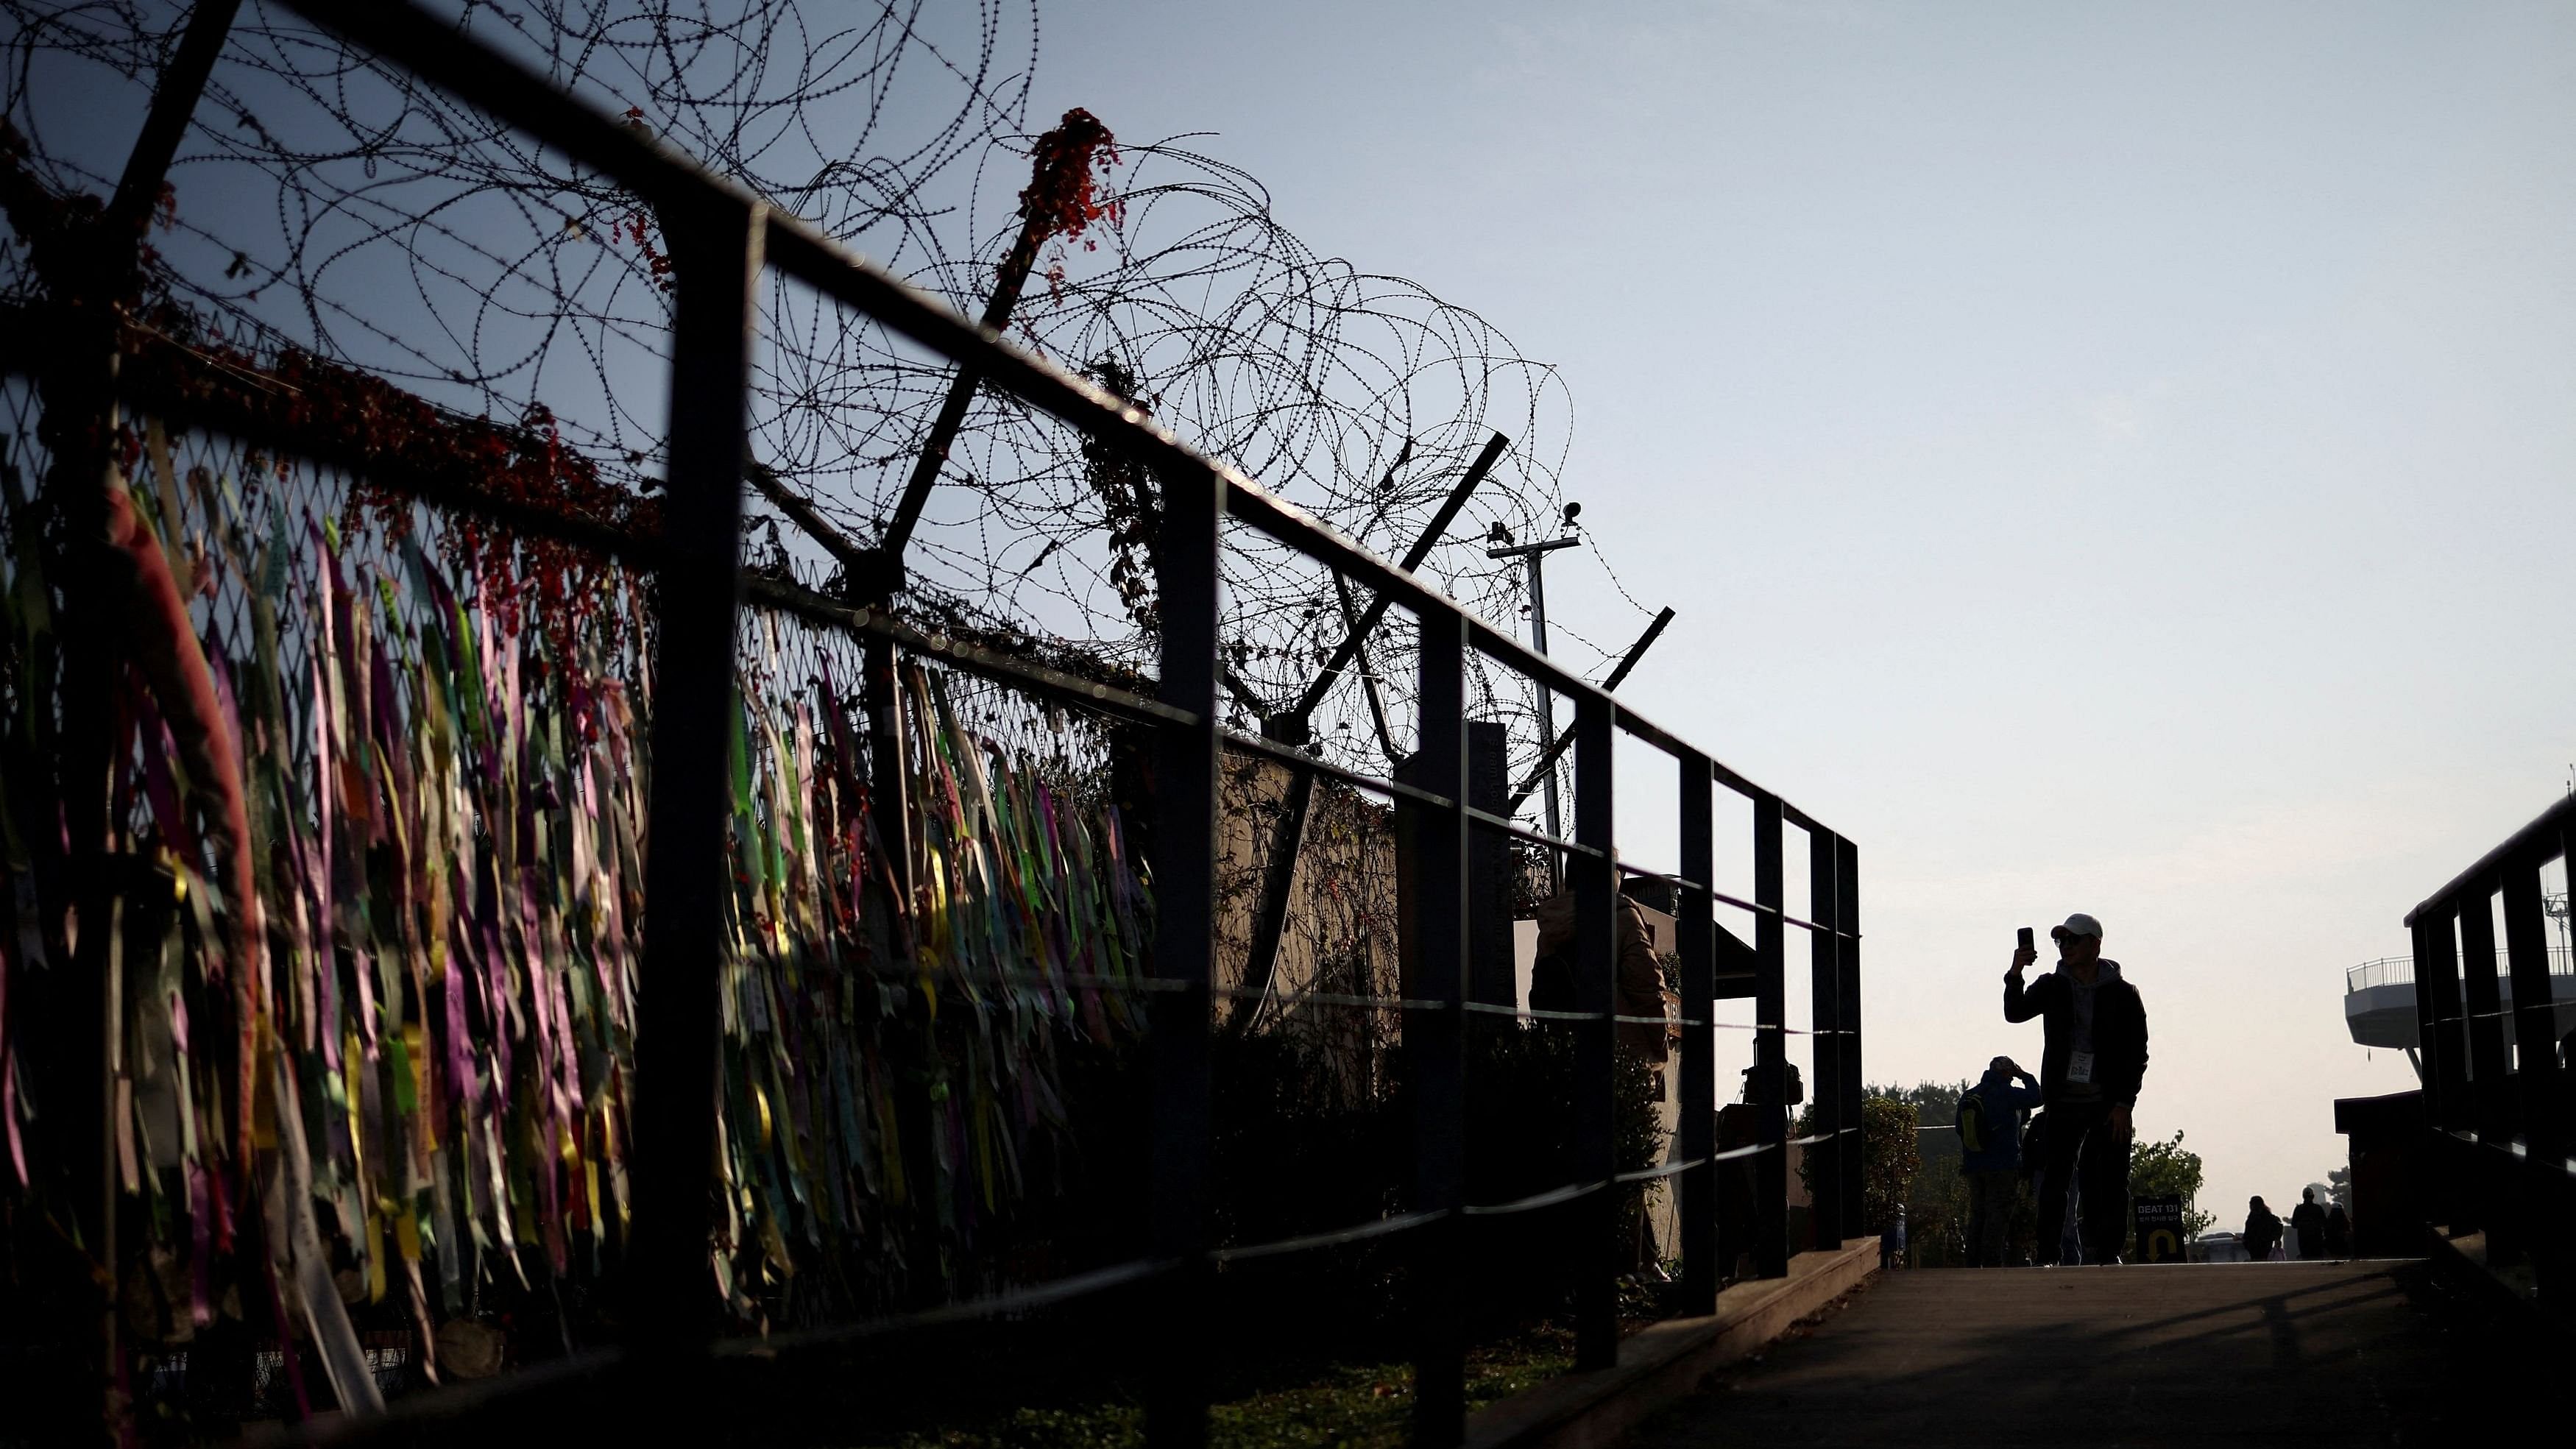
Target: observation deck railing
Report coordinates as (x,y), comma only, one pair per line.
(2399,970)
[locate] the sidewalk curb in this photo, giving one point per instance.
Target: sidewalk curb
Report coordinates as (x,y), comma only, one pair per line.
(1666,1362)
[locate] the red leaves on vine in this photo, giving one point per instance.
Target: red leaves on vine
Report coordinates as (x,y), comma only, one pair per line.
(1063,191)
(638,224)
(403,449)
(640,227)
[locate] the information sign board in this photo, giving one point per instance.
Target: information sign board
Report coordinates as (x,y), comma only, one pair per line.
(2160,1229)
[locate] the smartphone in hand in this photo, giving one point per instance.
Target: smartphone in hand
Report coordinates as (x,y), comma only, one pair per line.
(2025,942)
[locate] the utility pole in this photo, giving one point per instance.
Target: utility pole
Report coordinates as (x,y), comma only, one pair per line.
(1058,202)
(1532,557)
(1545,769)
(1293,726)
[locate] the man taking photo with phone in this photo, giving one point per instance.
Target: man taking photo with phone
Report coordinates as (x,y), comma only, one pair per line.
(2095,1058)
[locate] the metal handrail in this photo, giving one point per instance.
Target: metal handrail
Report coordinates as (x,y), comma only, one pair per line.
(2497,1116)
(2541,835)
(740,233)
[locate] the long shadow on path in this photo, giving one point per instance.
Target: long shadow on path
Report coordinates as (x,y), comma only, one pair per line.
(2251,1353)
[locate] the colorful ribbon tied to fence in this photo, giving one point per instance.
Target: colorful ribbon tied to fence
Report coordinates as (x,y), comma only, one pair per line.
(415,1093)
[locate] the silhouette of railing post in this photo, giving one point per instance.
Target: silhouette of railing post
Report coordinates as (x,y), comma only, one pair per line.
(1770,1045)
(2535,1030)
(1435,1032)
(1185,833)
(2536,1072)
(1824,1070)
(2487,1086)
(2439,1038)
(1595,875)
(699,592)
(1853,1143)
(1695,937)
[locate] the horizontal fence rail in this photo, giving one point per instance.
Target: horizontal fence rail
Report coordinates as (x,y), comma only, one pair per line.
(724,241)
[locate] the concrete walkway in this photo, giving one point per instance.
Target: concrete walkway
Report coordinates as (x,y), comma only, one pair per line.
(2254,1353)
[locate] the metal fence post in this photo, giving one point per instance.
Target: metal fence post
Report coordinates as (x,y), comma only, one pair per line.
(1825,1069)
(92,284)
(1695,935)
(1770,1046)
(881,696)
(2536,1073)
(1854,1142)
(698,592)
(1596,961)
(2487,1085)
(2439,1041)
(2535,1031)
(1185,840)
(1435,1036)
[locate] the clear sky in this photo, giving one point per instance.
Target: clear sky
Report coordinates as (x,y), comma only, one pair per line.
(2106,458)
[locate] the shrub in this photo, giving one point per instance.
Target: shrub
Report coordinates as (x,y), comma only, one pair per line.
(1889,1157)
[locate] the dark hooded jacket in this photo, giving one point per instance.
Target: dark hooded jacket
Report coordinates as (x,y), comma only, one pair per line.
(2003,1105)
(2119,1031)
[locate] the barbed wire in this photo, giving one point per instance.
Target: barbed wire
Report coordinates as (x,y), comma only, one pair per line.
(326,201)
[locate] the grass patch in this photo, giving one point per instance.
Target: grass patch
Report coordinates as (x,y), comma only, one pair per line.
(1349,1406)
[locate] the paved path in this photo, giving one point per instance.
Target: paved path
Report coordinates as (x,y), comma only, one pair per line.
(2250,1353)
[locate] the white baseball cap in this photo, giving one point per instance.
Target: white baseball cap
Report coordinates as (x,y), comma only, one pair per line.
(2078,924)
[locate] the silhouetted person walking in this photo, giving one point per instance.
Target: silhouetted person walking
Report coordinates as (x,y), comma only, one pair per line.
(1990,1142)
(2338,1232)
(2309,1221)
(2262,1231)
(2095,1059)
(2034,1151)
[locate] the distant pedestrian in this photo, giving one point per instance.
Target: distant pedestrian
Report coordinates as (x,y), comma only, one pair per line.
(2090,1070)
(2262,1231)
(2338,1232)
(1743,1124)
(1990,1144)
(2309,1221)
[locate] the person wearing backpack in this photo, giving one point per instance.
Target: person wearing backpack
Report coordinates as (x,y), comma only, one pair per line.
(2262,1231)
(1990,1120)
(2308,1225)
